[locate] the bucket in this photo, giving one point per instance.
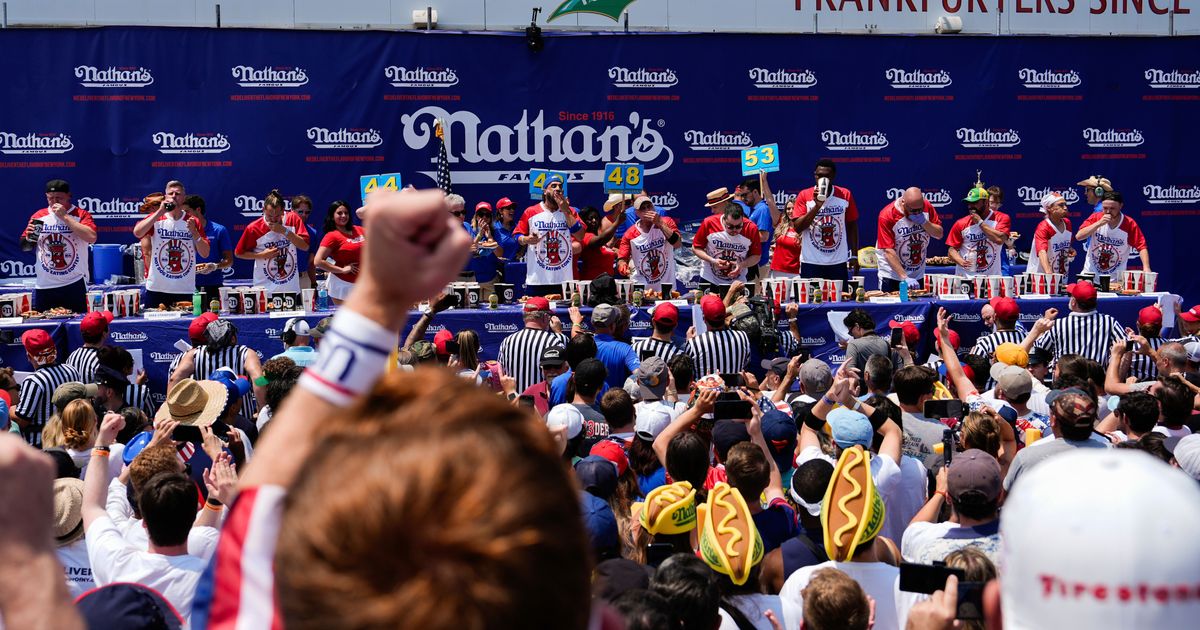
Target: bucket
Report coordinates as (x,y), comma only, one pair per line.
(107,261)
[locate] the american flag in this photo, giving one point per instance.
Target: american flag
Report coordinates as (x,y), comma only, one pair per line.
(443,164)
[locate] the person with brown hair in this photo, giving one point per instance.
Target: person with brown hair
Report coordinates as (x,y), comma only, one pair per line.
(273,241)
(360,475)
(833,599)
(302,205)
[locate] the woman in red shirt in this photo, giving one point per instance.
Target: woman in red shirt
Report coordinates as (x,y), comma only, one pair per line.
(343,244)
(785,259)
(596,255)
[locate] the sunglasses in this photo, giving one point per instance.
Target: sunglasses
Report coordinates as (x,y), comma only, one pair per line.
(459,213)
(734,228)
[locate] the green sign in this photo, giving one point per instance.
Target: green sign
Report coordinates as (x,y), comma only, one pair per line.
(610,8)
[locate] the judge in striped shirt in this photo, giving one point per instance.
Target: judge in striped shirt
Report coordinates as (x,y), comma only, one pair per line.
(35,404)
(661,343)
(1006,312)
(94,330)
(1085,331)
(720,350)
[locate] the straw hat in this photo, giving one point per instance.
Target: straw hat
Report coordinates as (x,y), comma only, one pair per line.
(195,403)
(68,510)
(614,200)
(717,197)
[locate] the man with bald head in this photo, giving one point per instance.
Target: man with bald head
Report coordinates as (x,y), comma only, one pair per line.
(905,227)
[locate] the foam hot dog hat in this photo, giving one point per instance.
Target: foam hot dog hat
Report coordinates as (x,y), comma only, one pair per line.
(852,512)
(669,509)
(729,541)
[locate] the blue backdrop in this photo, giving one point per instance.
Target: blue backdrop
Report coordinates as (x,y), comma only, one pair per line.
(235,113)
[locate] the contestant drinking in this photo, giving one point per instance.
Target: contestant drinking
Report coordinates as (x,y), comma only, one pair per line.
(172,235)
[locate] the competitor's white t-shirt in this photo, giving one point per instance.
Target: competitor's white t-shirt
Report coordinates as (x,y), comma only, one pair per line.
(825,240)
(1056,243)
(550,260)
(62,257)
(1109,247)
(651,257)
(980,252)
(717,242)
(279,273)
(173,256)
(909,240)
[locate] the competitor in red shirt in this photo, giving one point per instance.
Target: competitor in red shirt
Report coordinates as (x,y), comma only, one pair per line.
(975,240)
(550,232)
(650,245)
(173,236)
(727,245)
(343,243)
(905,227)
(595,250)
(829,227)
(61,232)
(273,242)
(1113,234)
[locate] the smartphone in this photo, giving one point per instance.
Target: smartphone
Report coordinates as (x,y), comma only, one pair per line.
(645,354)
(804,353)
(525,400)
(657,552)
(925,578)
(947,446)
(897,337)
(451,346)
(938,409)
(733,381)
(186,433)
(731,410)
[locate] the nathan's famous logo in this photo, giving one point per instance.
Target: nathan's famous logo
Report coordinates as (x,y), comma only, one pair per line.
(917,79)
(114,208)
(1106,256)
(826,233)
(937,197)
(717,140)
(113,77)
(493,327)
(664,201)
(783,198)
(984,138)
(34,143)
(765,78)
(1038,79)
(16,269)
(1032,195)
(420,77)
(642,77)
(163,357)
(269,76)
(916,319)
(128,337)
(1171,194)
(209,142)
(344,138)
(532,142)
(1173,79)
(251,206)
(854,140)
(58,253)
(1113,137)
(281,267)
(174,257)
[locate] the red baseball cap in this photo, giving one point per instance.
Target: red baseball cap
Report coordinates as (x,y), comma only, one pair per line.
(504,202)
(613,452)
(666,313)
(1082,290)
(439,341)
(537,303)
(95,322)
(713,308)
(911,334)
(954,339)
(1191,315)
(196,328)
(1006,308)
(483,205)
(38,343)
(1150,315)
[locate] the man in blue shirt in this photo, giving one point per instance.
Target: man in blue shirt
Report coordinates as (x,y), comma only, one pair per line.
(305,264)
(503,227)
(296,336)
(628,216)
(763,213)
(484,249)
(617,356)
(1094,189)
(210,269)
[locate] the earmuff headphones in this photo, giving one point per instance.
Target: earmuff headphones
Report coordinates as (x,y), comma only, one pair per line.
(1098,190)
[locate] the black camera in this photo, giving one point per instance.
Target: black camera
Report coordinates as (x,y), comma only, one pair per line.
(756,318)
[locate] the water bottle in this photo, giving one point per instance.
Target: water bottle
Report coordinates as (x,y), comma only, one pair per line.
(322,299)
(197,303)
(903,291)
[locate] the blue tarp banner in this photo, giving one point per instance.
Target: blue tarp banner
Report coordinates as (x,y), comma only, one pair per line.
(234,113)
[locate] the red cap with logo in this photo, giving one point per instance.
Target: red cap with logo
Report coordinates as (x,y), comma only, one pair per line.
(537,303)
(953,337)
(504,202)
(439,341)
(38,343)
(1082,290)
(666,313)
(483,205)
(911,334)
(1006,309)
(96,322)
(1150,315)
(196,328)
(613,452)
(1191,315)
(713,308)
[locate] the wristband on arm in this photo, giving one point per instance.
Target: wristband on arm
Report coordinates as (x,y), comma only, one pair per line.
(353,356)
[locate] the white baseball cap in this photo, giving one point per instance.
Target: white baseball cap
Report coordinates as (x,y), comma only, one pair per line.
(1101,539)
(1187,454)
(565,415)
(298,326)
(651,420)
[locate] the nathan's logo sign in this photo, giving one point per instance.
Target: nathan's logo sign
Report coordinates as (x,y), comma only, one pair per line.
(854,140)
(1113,137)
(269,76)
(128,337)
(163,357)
(783,198)
(1032,195)
(937,197)
(113,77)
(343,138)
(1173,79)
(665,201)
(580,149)
(114,208)
(642,77)
(917,79)
(17,269)
(717,140)
(1171,194)
(420,77)
(1039,79)
(251,206)
(493,327)
(765,78)
(983,138)
(171,143)
(34,143)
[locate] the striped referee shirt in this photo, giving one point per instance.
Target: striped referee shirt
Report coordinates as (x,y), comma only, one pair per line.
(665,350)
(1090,335)
(139,396)
(986,345)
(719,352)
(1141,366)
(37,390)
(85,360)
(234,358)
(521,354)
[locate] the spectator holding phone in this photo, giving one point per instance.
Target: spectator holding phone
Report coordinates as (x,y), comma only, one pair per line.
(971,485)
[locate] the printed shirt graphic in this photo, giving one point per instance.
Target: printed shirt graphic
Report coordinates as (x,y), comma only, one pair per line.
(714,239)
(825,239)
(550,260)
(62,257)
(173,266)
(1056,244)
(278,273)
(1109,247)
(975,247)
(344,250)
(909,240)
(651,257)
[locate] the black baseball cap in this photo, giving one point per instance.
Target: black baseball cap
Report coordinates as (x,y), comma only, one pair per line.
(553,356)
(58,186)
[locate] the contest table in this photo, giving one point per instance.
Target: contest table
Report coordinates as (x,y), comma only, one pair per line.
(156,338)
